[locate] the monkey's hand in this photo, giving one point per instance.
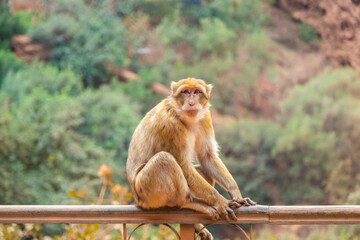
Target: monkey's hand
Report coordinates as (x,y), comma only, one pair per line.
(239,201)
(224,210)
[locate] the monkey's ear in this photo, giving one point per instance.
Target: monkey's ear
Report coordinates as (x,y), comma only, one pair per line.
(208,89)
(173,87)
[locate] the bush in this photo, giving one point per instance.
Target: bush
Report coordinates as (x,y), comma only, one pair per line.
(110,120)
(172,30)
(140,91)
(84,38)
(26,18)
(155,9)
(246,146)
(239,15)
(44,151)
(307,33)
(9,26)
(9,63)
(214,37)
(321,138)
(239,85)
(53,138)
(17,85)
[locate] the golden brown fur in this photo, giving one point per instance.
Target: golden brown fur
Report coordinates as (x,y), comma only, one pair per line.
(170,137)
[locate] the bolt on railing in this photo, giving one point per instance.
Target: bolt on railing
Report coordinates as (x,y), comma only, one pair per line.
(129,214)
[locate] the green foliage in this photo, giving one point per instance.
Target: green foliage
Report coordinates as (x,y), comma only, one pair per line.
(304,147)
(212,69)
(312,156)
(9,26)
(17,85)
(239,84)
(9,63)
(26,19)
(321,137)
(109,120)
(354,197)
(45,148)
(307,33)
(155,9)
(53,137)
(14,232)
(84,38)
(139,90)
(172,30)
(214,37)
(247,147)
(244,15)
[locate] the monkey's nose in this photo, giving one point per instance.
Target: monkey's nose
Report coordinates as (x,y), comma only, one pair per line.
(191,103)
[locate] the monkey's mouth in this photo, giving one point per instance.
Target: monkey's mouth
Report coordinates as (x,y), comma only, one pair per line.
(192,112)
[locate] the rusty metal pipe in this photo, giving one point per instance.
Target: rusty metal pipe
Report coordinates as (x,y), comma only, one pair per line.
(344,214)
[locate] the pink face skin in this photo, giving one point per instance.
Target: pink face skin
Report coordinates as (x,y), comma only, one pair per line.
(193,98)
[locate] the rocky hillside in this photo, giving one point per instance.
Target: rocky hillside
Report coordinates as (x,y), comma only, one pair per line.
(336,21)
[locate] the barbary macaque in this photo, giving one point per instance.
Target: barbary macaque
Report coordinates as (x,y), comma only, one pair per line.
(163,148)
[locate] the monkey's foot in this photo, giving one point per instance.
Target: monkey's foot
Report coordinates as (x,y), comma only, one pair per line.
(204,234)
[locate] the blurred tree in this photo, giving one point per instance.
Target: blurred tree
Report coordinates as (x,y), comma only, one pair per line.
(239,15)
(320,145)
(44,151)
(9,26)
(155,9)
(140,92)
(17,85)
(85,38)
(109,119)
(214,37)
(9,63)
(50,134)
(246,146)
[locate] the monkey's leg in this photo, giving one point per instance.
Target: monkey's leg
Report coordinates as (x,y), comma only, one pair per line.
(204,234)
(202,207)
(161,183)
(204,174)
(196,203)
(207,177)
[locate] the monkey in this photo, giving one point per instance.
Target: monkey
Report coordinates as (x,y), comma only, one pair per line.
(167,141)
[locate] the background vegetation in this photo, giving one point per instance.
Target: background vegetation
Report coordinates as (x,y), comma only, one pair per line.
(289,136)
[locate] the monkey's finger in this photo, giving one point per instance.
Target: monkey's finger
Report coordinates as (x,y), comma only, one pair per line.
(231,213)
(227,218)
(217,216)
(234,205)
(214,214)
(223,213)
(251,202)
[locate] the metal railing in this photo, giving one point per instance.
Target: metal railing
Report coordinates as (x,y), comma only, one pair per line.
(129,214)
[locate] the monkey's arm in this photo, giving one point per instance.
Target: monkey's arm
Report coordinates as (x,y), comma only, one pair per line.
(212,165)
(207,192)
(199,185)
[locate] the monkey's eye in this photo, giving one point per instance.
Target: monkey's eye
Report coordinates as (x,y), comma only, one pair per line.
(186,91)
(197,91)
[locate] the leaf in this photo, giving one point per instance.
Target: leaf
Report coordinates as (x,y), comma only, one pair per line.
(78,194)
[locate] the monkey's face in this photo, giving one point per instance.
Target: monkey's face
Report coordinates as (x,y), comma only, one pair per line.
(191,96)
(192,100)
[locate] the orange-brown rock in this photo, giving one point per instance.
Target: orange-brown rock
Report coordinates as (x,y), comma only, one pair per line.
(26,49)
(26,5)
(122,72)
(337,22)
(161,89)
